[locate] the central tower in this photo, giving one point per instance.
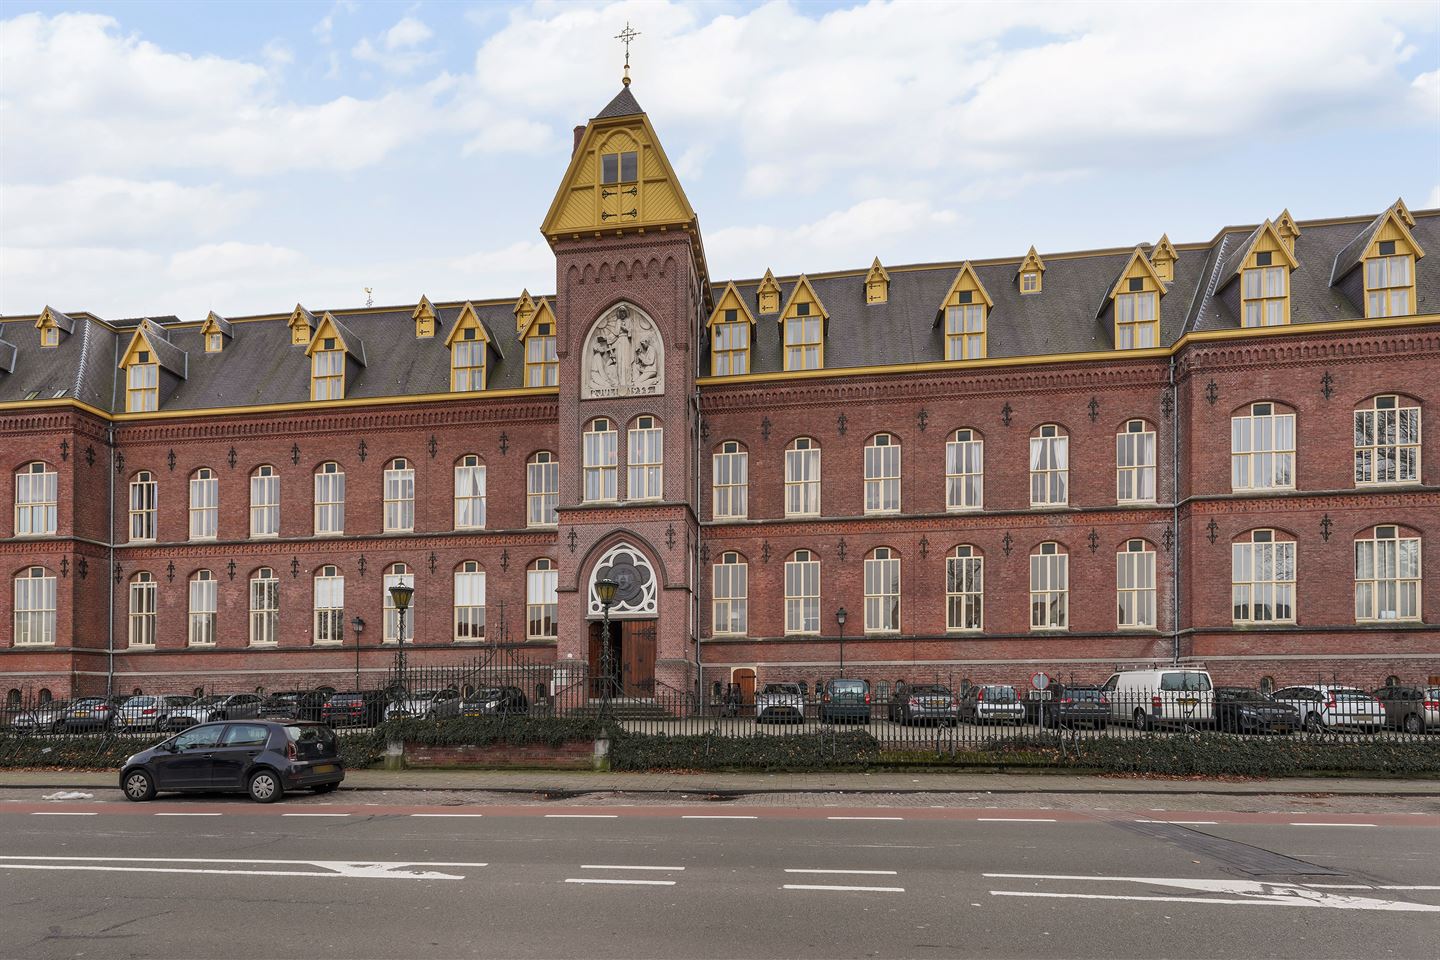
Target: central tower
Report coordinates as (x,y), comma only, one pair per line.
(631,289)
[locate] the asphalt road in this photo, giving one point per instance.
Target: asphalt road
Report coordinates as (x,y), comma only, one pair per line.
(211,877)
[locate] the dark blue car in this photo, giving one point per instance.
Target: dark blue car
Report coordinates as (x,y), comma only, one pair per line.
(259,757)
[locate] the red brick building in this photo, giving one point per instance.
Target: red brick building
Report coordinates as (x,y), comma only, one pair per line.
(1213,451)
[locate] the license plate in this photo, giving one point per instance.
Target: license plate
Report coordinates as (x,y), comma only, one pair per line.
(1188,701)
(323,768)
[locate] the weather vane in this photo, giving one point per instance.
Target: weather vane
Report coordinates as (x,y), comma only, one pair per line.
(625,36)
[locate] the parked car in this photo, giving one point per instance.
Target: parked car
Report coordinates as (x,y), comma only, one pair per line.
(1324,706)
(354,708)
(90,713)
(1247,710)
(990,703)
(42,718)
(1156,697)
(495,702)
(932,702)
(264,758)
(149,712)
(231,706)
(1412,709)
(1071,705)
(780,702)
(425,703)
(294,705)
(845,700)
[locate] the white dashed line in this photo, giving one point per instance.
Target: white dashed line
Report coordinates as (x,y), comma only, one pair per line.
(622,883)
(314,814)
(62,813)
(817,886)
(581,816)
(867,873)
(616,866)
(187,814)
(716,816)
(451,815)
(1016,819)
(1332,824)
(864,818)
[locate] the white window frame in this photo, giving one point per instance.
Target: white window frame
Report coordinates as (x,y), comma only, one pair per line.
(1388,580)
(730,346)
(265,502)
(600,464)
(542,601)
(730,596)
(882,591)
(1050,467)
(329,619)
(804,336)
(965,471)
(144,507)
(37,499)
(965,590)
(882,474)
(144,597)
(542,490)
(802,594)
(35,598)
(1049,587)
(730,481)
(1262,449)
(1135,591)
(1387,442)
(469,619)
(399,496)
(1135,463)
(264,608)
(204,504)
(329,500)
(645,460)
(469,493)
(398,574)
(802,478)
(204,604)
(1258,567)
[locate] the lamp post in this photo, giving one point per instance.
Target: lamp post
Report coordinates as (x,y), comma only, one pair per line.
(401,594)
(840,619)
(605,592)
(358,625)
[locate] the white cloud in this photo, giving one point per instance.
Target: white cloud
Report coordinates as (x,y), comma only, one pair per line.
(324,29)
(406,34)
(1433,201)
(398,51)
(93,209)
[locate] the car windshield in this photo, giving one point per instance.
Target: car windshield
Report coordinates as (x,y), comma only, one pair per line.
(847,686)
(206,701)
(1184,681)
(1000,694)
(929,691)
(489,693)
(1350,694)
(178,701)
(1240,693)
(1083,693)
(792,689)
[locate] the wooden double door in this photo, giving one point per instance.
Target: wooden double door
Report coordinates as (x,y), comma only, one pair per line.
(632,656)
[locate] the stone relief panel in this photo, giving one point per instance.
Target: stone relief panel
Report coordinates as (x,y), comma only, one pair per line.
(636,592)
(624,356)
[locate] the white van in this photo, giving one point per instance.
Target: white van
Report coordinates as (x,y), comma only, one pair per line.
(1173,695)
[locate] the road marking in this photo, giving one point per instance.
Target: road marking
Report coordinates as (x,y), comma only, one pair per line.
(187,814)
(864,818)
(1016,819)
(62,813)
(314,814)
(447,814)
(616,866)
(716,816)
(622,883)
(868,873)
(397,870)
(1242,893)
(1362,886)
(1183,823)
(1332,824)
(819,886)
(582,816)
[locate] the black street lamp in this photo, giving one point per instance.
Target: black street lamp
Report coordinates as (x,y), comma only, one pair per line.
(840,619)
(401,594)
(605,592)
(358,625)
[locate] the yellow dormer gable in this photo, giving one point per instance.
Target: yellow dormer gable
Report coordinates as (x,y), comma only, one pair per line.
(538,339)
(730,327)
(1265,279)
(767,295)
(524,310)
(327,351)
(1406,217)
(965,309)
(142,372)
(1163,257)
(51,323)
(302,326)
(467,341)
(1135,299)
(1288,229)
(424,317)
(213,331)
(1031,275)
(802,323)
(877,284)
(1390,268)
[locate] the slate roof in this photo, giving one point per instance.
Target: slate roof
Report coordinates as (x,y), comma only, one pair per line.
(624,105)
(7,356)
(167,354)
(259,365)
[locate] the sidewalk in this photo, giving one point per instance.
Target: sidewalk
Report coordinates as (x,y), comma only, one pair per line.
(562,781)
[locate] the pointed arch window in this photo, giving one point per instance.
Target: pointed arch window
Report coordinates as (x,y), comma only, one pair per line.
(1387,576)
(204,597)
(882,474)
(964,471)
(469,602)
(645,457)
(35,608)
(264,608)
(1135,463)
(601,453)
(730,595)
(469,493)
(731,481)
(1135,585)
(204,504)
(329,500)
(964,590)
(1049,587)
(542,601)
(398,575)
(144,497)
(1262,577)
(542,490)
(36,500)
(143,601)
(329,605)
(802,593)
(802,478)
(882,591)
(1049,467)
(399,496)
(265,502)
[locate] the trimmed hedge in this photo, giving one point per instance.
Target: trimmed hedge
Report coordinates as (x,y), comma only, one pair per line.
(487,731)
(93,751)
(807,751)
(360,750)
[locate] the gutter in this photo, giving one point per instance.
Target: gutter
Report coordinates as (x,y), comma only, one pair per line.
(1175,522)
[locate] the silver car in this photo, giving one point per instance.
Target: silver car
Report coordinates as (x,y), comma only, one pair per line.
(780,701)
(232,706)
(44,718)
(149,713)
(991,703)
(426,704)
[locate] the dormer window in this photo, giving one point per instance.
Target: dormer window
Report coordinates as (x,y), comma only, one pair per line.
(142,384)
(803,326)
(50,337)
(467,362)
(214,342)
(1389,282)
(1029,282)
(327,371)
(542,363)
(619,167)
(730,345)
(1266,292)
(965,328)
(1137,323)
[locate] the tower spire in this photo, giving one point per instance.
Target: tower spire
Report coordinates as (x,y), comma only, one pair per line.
(625,36)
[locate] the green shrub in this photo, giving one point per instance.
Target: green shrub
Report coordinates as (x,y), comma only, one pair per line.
(809,751)
(93,751)
(360,750)
(485,731)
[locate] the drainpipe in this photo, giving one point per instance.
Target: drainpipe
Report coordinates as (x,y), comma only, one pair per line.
(1175,522)
(110,544)
(699,529)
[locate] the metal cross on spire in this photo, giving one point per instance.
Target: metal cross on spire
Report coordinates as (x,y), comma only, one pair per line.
(626,36)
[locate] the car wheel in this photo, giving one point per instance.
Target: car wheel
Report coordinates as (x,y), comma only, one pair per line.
(1413,724)
(139,786)
(265,786)
(1143,721)
(326,788)
(1313,723)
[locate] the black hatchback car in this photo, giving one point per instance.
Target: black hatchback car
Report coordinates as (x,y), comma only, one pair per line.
(1247,710)
(259,757)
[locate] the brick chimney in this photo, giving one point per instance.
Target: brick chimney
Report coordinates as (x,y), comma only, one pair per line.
(579,132)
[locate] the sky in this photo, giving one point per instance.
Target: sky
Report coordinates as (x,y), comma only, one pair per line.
(160,158)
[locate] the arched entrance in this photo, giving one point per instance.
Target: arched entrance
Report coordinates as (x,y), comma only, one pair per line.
(629,670)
